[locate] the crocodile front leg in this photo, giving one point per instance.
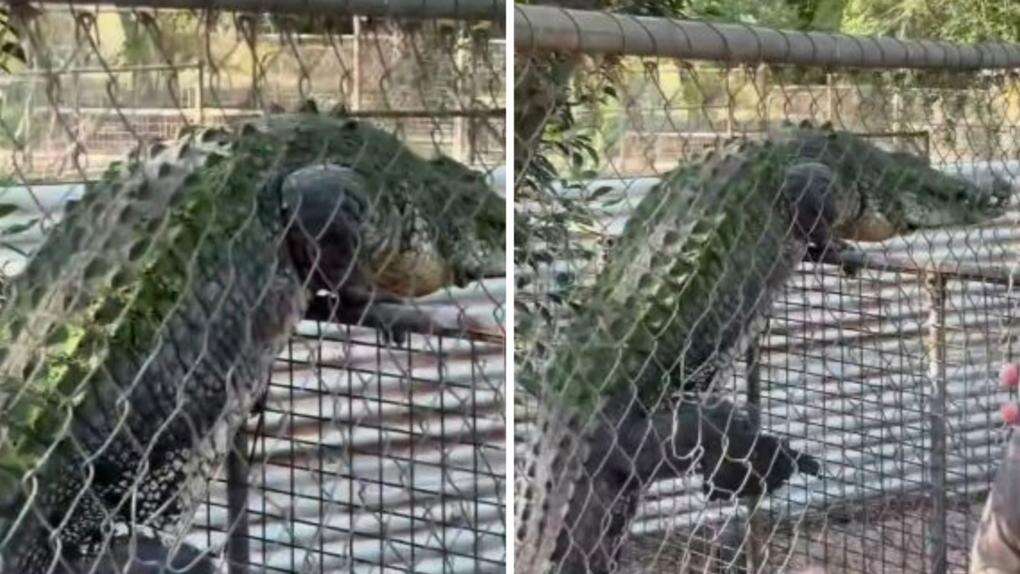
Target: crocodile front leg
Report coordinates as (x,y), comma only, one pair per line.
(629,448)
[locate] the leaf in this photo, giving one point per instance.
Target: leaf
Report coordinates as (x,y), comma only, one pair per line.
(19,227)
(7,209)
(599,192)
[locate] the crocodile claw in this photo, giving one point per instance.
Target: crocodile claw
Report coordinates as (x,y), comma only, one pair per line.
(836,252)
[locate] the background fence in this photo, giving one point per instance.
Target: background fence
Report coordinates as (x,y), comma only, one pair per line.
(888,377)
(369,455)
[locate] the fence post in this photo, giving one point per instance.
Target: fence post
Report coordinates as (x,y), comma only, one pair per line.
(897,119)
(740,551)
(200,94)
(753,359)
(730,102)
(761,77)
(830,98)
(935,284)
(238,553)
(356,57)
(460,147)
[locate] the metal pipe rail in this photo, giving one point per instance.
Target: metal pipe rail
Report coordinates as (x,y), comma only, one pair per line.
(998,275)
(492,10)
(539,28)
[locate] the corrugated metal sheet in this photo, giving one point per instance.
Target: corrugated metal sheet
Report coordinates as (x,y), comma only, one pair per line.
(844,374)
(369,457)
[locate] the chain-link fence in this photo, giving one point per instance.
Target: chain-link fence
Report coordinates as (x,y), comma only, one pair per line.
(288,223)
(775,353)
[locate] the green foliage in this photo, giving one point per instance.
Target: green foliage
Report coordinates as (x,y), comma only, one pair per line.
(163,37)
(960,20)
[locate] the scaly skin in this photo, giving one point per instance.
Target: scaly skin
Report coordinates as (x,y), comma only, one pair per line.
(685,288)
(150,317)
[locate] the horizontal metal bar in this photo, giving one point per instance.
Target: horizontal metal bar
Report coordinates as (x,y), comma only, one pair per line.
(84,70)
(550,28)
(463,113)
(492,10)
(498,113)
(958,270)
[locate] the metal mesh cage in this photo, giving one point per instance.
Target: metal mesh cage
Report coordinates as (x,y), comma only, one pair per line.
(375,439)
(851,419)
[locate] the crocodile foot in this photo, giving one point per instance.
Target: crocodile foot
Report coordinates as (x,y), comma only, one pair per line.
(835,252)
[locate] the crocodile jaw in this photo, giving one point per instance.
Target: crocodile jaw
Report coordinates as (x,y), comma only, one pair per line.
(409,273)
(869,227)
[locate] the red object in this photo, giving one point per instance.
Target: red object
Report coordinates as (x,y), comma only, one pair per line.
(1011,413)
(1009,376)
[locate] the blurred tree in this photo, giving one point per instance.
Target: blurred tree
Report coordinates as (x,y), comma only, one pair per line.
(960,20)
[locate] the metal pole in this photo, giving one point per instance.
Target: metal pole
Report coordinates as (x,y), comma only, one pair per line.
(830,99)
(492,10)
(936,288)
(730,103)
(544,28)
(897,119)
(739,550)
(200,96)
(753,360)
(460,148)
(356,55)
(238,552)
(761,76)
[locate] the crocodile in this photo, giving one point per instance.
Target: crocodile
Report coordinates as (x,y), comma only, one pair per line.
(684,289)
(142,332)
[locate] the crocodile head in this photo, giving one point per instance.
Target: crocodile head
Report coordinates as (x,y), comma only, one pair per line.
(371,212)
(887,194)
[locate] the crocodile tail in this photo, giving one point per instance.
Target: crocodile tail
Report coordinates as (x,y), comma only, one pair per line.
(554,465)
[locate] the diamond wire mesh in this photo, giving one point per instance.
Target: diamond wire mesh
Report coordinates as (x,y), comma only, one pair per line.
(368,448)
(898,403)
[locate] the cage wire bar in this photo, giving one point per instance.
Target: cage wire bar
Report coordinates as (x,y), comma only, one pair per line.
(886,376)
(370,451)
